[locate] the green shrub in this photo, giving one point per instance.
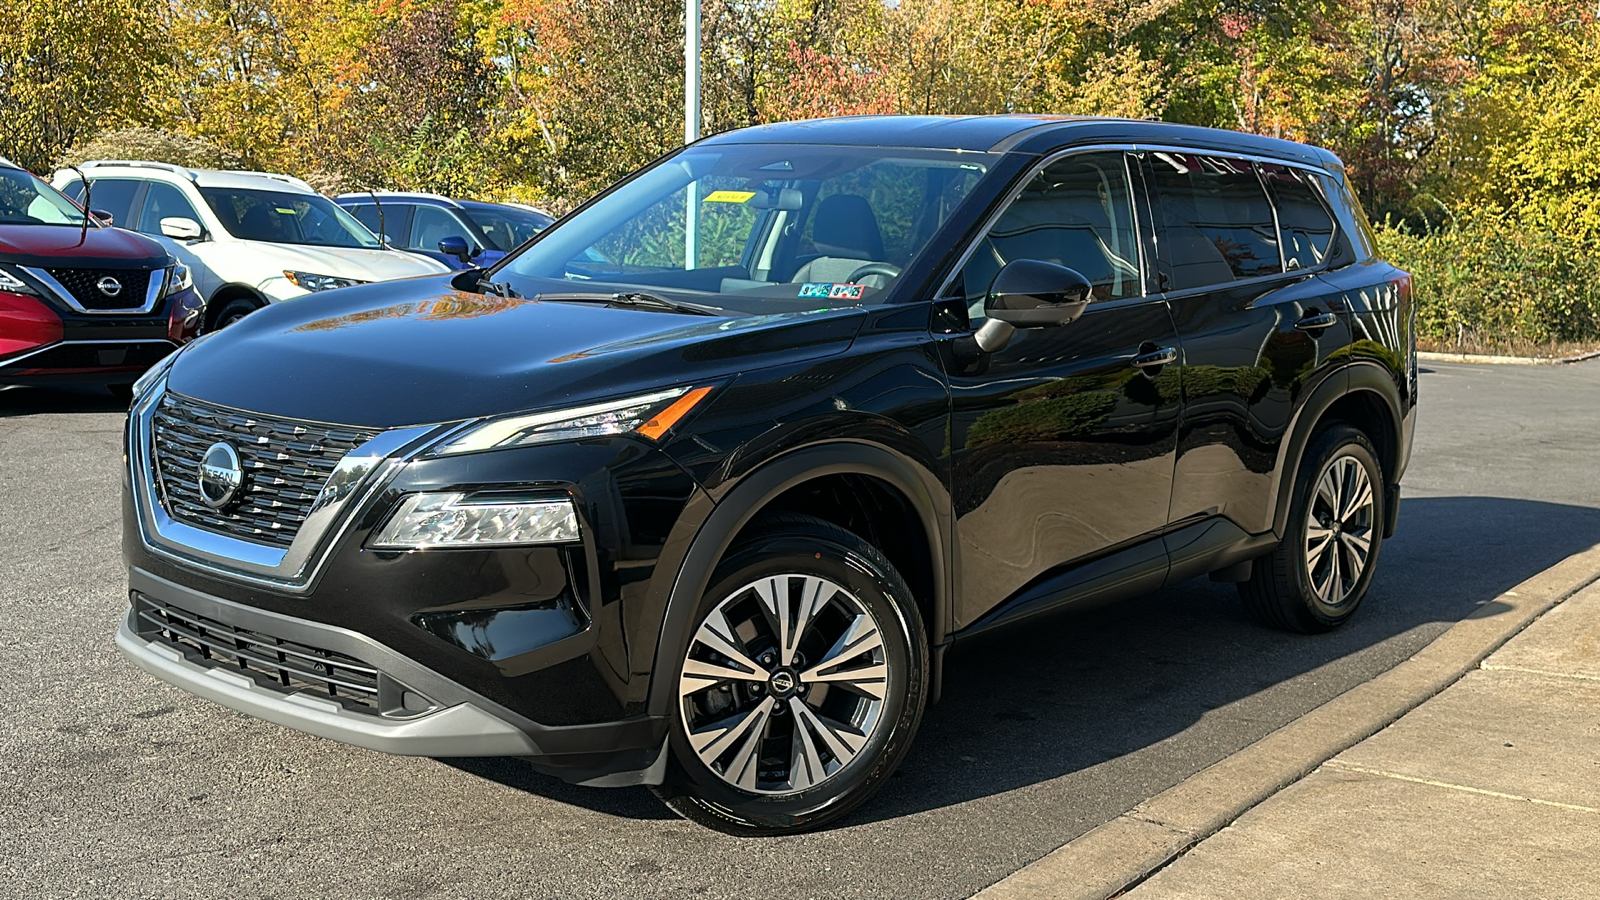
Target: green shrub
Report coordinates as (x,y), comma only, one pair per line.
(1492,282)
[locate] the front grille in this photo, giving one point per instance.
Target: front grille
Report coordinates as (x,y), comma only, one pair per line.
(271,661)
(285,462)
(82,284)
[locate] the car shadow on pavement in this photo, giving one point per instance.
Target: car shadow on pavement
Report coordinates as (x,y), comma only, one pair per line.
(87,398)
(1132,698)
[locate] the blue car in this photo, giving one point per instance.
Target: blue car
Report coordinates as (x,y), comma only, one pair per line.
(458,233)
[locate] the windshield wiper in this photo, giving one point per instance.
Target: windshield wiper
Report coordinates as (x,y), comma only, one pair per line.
(636,299)
(498,288)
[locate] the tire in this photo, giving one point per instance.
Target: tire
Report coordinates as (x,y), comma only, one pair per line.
(797,777)
(233,311)
(1304,584)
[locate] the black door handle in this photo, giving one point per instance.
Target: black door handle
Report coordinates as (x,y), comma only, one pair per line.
(1155,359)
(1316,321)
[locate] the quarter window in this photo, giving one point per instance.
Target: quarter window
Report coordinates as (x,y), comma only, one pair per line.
(1304,226)
(1076,213)
(1217,225)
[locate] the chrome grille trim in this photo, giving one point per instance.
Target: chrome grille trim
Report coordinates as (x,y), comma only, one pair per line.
(357,477)
(286,463)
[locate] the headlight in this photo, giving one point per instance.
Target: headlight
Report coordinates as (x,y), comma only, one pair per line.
(181,279)
(10,282)
(314,283)
(650,415)
(465,520)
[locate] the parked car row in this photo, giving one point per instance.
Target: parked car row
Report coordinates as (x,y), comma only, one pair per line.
(170,252)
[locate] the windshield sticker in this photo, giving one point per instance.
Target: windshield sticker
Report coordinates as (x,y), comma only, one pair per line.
(728,197)
(287,212)
(831,290)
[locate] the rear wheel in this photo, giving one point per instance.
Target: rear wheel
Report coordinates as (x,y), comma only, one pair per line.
(1316,578)
(801,686)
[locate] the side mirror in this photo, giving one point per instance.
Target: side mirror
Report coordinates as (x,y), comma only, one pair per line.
(182,228)
(456,246)
(103,217)
(1030,293)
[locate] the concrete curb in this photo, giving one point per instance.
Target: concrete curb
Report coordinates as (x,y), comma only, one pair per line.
(1506,360)
(1128,849)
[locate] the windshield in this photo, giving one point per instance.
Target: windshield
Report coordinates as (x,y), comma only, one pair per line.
(504,227)
(775,227)
(282,217)
(25,200)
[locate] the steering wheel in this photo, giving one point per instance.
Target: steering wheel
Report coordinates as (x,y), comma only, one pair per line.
(886,270)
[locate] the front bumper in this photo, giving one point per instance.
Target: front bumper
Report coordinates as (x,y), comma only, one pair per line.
(456,721)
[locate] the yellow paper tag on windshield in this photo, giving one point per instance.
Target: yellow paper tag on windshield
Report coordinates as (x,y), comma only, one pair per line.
(728,196)
(287,212)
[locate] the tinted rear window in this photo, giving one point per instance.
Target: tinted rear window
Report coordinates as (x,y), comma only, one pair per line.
(1217,225)
(114,195)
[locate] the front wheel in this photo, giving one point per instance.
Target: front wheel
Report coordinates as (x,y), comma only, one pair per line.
(233,311)
(1314,581)
(801,686)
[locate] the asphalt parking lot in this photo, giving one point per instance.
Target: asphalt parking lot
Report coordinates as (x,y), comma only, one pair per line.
(115,785)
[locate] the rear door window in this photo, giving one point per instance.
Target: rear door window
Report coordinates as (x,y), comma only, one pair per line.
(1216,223)
(162,201)
(1304,225)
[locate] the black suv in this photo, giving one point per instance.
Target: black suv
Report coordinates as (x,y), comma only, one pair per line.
(697,488)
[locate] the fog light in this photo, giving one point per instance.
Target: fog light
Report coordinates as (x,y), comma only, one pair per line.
(462,520)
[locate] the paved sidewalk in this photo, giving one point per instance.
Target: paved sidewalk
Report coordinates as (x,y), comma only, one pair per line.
(1490,789)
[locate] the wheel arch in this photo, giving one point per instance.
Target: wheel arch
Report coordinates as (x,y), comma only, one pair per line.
(226,293)
(784,483)
(1363,395)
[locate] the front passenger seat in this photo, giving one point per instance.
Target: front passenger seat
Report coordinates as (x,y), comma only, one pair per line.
(845,231)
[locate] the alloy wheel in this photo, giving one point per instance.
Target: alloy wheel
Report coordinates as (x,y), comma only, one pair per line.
(1339,529)
(783,684)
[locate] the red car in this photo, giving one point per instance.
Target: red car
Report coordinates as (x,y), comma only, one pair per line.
(81,301)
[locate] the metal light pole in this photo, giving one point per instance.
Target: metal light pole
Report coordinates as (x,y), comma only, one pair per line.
(691,121)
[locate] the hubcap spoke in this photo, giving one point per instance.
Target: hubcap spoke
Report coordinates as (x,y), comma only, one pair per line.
(1359,498)
(842,741)
(715,739)
(805,762)
(860,638)
(698,675)
(793,615)
(718,634)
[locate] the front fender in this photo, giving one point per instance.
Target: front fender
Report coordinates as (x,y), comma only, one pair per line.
(710,529)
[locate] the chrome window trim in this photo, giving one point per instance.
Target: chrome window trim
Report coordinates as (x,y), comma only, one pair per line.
(39,350)
(357,478)
(1011,196)
(152,295)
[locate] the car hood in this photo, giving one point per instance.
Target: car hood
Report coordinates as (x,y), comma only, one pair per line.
(346,262)
(418,352)
(55,245)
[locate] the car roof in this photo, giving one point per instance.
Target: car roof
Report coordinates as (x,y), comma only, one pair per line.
(355,197)
(223,178)
(1032,134)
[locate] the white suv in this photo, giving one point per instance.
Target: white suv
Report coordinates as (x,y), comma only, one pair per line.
(250,238)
